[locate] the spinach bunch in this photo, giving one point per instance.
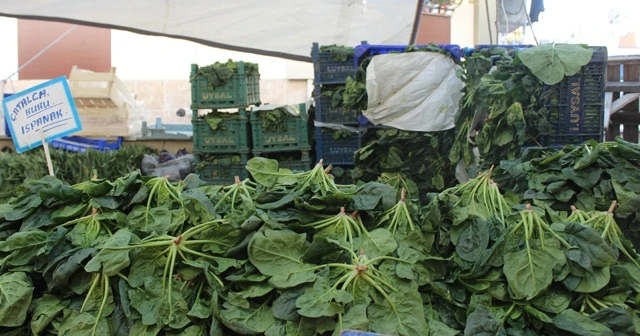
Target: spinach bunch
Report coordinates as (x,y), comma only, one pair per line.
(417,156)
(589,176)
(507,105)
(528,270)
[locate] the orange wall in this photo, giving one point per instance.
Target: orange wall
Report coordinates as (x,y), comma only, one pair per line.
(434,29)
(87,47)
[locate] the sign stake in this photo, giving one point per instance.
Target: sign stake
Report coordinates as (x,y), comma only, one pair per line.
(47,156)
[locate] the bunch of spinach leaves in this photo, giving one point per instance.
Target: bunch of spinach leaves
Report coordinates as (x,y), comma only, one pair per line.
(417,156)
(513,269)
(589,176)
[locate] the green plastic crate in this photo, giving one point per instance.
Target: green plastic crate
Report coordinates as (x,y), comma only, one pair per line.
(240,91)
(222,169)
(232,135)
(295,138)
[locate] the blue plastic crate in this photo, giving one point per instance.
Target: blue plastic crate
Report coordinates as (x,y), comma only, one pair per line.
(365,50)
(336,152)
(576,106)
(80,144)
(326,70)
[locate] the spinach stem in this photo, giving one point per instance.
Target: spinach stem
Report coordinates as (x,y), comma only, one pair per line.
(373,260)
(105,295)
(366,278)
(94,283)
(130,247)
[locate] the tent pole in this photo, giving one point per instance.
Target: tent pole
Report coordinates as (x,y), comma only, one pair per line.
(416,22)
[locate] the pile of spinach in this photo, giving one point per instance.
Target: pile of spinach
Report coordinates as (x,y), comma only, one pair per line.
(589,176)
(292,253)
(416,156)
(518,269)
(504,107)
(297,254)
(68,166)
(219,74)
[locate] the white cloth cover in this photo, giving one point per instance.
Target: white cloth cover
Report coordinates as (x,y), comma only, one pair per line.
(280,28)
(416,91)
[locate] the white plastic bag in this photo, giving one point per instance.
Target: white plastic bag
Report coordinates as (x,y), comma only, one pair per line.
(417,91)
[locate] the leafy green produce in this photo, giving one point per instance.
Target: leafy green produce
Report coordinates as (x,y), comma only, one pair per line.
(296,253)
(224,160)
(68,166)
(590,176)
(551,62)
(507,105)
(416,156)
(335,92)
(338,53)
(216,119)
(275,120)
(525,272)
(505,108)
(218,74)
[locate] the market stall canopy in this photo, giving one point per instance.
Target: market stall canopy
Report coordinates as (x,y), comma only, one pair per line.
(280,28)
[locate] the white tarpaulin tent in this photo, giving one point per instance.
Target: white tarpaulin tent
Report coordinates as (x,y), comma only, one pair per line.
(280,28)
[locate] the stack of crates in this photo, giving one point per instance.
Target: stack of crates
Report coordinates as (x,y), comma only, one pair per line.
(330,76)
(222,148)
(289,145)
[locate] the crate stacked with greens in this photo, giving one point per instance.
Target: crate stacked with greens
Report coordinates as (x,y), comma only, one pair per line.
(333,66)
(222,140)
(281,135)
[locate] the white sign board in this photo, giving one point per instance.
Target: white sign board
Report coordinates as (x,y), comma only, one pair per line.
(46,110)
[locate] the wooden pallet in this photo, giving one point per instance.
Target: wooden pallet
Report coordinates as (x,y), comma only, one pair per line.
(103,103)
